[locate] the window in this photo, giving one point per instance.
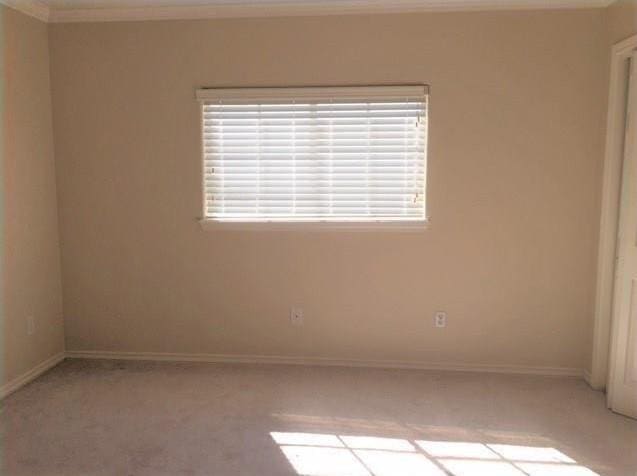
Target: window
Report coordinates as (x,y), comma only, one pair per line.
(349,155)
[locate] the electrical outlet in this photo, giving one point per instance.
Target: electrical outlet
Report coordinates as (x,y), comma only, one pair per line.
(296,316)
(440,319)
(30,325)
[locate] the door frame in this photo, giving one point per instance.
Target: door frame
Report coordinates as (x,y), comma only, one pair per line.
(611,188)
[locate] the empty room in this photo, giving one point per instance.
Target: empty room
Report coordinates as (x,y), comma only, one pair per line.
(318,237)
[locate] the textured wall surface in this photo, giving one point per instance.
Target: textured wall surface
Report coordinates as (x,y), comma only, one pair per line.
(30,245)
(515,155)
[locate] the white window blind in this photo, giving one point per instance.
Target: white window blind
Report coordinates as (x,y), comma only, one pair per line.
(352,154)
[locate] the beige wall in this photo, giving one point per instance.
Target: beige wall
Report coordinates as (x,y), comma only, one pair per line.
(622,20)
(30,247)
(516,138)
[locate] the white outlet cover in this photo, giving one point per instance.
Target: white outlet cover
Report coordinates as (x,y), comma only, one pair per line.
(440,319)
(296,316)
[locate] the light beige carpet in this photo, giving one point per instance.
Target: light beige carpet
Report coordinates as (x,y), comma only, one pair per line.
(140,418)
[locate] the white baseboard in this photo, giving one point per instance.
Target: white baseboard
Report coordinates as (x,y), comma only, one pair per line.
(322,361)
(588,378)
(42,367)
(30,375)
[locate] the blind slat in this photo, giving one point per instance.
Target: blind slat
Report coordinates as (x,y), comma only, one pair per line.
(338,157)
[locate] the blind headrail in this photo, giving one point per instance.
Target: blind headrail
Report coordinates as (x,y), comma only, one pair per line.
(316,93)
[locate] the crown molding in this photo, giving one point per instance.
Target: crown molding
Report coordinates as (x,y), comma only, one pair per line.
(306,8)
(33,8)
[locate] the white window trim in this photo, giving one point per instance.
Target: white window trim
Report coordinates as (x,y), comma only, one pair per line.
(208,224)
(350,92)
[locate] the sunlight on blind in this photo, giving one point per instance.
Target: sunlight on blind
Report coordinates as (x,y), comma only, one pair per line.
(338,157)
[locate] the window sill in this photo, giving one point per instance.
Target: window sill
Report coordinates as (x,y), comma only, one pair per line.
(304,226)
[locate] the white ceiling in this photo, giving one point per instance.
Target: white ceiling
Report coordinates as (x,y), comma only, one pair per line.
(123,10)
(73,4)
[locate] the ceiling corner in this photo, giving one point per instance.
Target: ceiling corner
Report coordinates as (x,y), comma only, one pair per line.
(33,8)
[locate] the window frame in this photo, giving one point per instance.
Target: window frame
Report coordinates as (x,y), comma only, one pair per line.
(328,92)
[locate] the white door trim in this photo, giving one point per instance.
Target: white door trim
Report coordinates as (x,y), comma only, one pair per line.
(613,158)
